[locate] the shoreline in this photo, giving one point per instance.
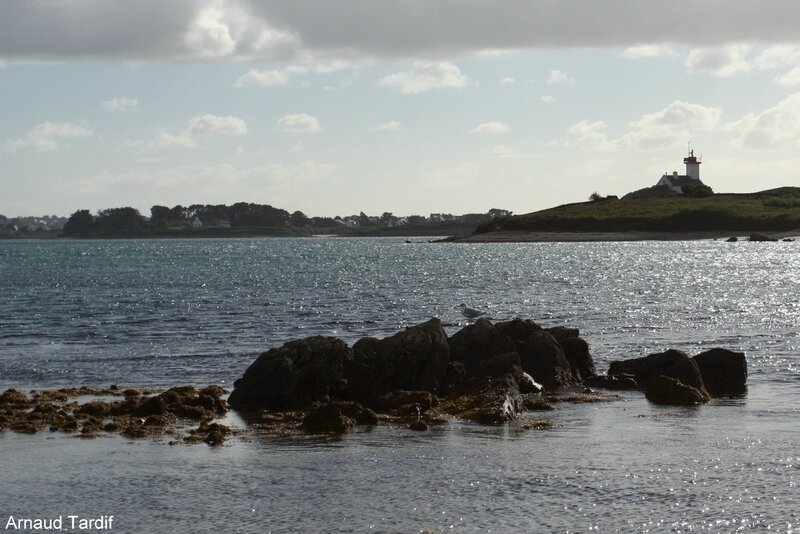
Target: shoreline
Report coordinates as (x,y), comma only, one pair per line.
(577,237)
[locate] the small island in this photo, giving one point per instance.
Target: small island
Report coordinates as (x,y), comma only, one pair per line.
(678,207)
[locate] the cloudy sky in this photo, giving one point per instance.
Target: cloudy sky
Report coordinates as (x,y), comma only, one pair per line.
(411,106)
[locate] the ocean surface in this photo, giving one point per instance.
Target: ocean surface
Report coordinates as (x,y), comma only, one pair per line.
(168,312)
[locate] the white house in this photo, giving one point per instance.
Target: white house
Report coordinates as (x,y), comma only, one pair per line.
(676,181)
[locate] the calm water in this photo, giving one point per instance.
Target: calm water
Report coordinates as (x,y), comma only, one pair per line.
(198,311)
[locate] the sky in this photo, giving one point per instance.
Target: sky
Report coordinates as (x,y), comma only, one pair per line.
(411,106)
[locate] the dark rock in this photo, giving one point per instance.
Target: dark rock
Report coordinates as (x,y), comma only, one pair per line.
(419,425)
(723,371)
(614,382)
(294,376)
(576,350)
(478,342)
(733,239)
(397,400)
(415,360)
(543,358)
(761,237)
(453,378)
(327,419)
(215,434)
(507,363)
(667,390)
(563,332)
(488,400)
(517,328)
(528,385)
(672,363)
(12,397)
(358,413)
(789,240)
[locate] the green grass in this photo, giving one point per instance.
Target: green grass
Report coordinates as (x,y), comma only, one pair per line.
(773,210)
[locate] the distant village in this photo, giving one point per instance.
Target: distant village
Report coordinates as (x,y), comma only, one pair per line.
(215,219)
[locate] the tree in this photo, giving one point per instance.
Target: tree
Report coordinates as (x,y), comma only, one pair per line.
(78,223)
(119,219)
(298,219)
(594,197)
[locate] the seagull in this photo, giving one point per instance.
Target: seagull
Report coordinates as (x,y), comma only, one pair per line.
(469,313)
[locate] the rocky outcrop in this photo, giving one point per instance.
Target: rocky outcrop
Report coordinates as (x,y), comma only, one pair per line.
(724,371)
(671,363)
(295,375)
(484,372)
(541,354)
(690,380)
(415,360)
(667,390)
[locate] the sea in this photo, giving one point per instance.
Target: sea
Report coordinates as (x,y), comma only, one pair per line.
(198,311)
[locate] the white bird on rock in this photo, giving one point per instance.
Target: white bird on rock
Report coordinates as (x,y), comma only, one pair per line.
(469,313)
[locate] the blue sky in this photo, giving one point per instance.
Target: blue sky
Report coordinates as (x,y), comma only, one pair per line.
(409,107)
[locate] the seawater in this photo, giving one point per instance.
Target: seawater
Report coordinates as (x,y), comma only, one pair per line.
(166,312)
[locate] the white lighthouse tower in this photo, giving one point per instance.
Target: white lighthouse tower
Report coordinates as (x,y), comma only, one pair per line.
(692,166)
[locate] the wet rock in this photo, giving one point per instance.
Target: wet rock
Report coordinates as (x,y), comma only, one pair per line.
(614,382)
(723,371)
(415,359)
(327,419)
(761,237)
(543,358)
(397,400)
(668,390)
(528,385)
(419,425)
(14,398)
(294,376)
(477,343)
(453,378)
(489,401)
(563,332)
(517,328)
(576,350)
(537,405)
(358,413)
(672,363)
(732,239)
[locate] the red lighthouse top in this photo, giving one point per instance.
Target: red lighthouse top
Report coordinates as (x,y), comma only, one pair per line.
(691,159)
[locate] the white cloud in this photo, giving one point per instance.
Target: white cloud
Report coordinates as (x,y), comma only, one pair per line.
(548,99)
(120,104)
(777,56)
(789,78)
(558,77)
(298,123)
(774,127)
(391,126)
(506,152)
(216,125)
(44,137)
(425,76)
(263,78)
(721,61)
(201,126)
(648,51)
(493,127)
(169,141)
(507,81)
(666,128)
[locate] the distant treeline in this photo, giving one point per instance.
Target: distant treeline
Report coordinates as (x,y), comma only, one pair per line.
(216,218)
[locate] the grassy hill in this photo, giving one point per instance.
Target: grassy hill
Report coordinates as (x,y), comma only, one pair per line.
(772,210)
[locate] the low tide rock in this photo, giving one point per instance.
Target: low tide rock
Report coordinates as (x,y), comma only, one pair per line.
(294,376)
(723,371)
(327,419)
(667,390)
(761,237)
(672,363)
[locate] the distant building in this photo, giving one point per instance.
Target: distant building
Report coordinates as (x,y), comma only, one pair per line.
(676,181)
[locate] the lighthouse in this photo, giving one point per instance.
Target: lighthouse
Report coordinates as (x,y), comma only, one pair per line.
(692,166)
